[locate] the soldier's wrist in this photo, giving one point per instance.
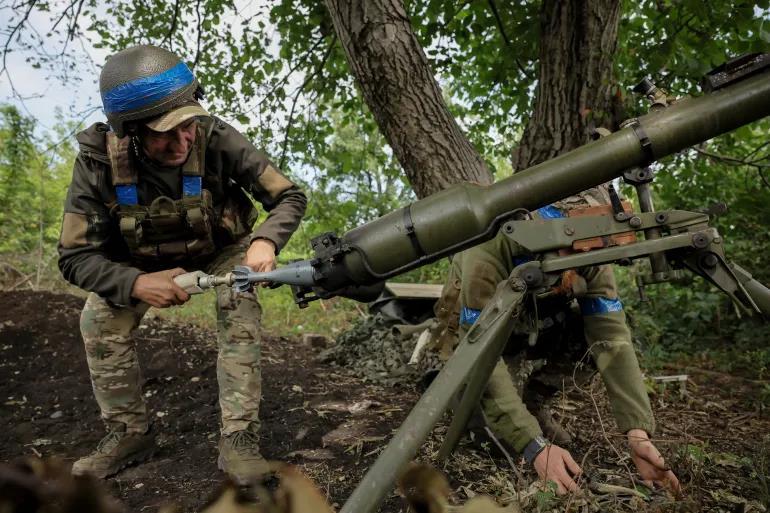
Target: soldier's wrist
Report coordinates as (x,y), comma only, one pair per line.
(637,435)
(534,448)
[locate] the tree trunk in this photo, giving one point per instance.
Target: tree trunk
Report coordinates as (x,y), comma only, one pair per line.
(397,84)
(576,92)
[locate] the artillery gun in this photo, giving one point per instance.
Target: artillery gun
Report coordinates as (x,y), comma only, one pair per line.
(357,263)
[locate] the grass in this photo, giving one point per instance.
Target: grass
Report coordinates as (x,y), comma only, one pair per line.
(279,313)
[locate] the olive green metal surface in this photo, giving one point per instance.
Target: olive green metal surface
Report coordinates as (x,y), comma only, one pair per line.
(467,214)
(495,321)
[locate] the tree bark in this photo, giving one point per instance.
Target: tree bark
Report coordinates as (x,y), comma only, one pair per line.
(576,92)
(398,86)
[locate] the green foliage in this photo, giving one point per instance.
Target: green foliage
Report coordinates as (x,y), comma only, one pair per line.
(546,498)
(34,174)
(277,67)
(692,321)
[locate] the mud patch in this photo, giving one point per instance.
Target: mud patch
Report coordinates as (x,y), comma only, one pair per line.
(715,436)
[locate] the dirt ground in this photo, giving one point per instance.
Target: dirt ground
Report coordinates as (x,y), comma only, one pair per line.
(332,424)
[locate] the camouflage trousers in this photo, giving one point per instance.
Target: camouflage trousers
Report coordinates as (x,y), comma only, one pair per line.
(114,366)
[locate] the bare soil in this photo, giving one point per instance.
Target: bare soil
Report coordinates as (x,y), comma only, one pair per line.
(332,424)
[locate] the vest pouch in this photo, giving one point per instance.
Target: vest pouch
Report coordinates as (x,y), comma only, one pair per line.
(166,219)
(197,212)
(131,229)
(172,249)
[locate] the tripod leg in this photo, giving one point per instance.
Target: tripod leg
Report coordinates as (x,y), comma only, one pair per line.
(754,289)
(496,317)
(496,331)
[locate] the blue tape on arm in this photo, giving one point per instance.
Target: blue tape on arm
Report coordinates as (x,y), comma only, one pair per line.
(521,260)
(191,185)
(126,194)
(599,305)
(469,316)
(146,90)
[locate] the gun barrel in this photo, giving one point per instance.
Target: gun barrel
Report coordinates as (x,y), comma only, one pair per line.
(297,273)
(465,215)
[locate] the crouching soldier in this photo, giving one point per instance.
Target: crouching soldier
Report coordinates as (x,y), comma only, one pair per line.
(157,191)
(565,329)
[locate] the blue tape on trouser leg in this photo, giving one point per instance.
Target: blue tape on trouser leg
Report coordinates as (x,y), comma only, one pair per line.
(469,316)
(599,305)
(550,212)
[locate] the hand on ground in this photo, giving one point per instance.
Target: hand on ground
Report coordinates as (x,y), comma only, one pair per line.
(650,464)
(556,464)
(159,289)
(261,257)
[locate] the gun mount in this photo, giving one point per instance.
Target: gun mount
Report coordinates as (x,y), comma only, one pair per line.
(357,263)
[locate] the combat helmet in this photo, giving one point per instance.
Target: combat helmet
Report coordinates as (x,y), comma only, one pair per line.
(143,82)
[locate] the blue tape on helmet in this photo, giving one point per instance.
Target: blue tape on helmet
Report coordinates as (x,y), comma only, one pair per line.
(191,185)
(469,315)
(146,90)
(550,212)
(599,305)
(126,194)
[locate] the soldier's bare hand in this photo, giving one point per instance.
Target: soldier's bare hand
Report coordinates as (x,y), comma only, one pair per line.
(650,464)
(261,257)
(556,464)
(159,289)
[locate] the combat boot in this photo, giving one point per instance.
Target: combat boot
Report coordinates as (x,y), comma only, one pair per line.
(240,458)
(115,452)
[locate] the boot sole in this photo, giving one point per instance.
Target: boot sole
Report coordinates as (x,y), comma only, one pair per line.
(241,480)
(136,459)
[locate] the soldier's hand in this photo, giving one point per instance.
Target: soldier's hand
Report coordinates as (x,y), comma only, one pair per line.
(556,464)
(650,464)
(159,289)
(261,257)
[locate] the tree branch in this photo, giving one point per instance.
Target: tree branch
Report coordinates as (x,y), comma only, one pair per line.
(286,77)
(15,29)
(454,15)
(297,95)
(63,15)
(172,28)
(200,33)
(734,161)
(501,28)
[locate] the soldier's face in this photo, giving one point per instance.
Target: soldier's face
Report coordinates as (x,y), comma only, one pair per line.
(170,148)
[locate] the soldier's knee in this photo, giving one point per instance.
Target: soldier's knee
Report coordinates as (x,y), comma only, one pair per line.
(98,321)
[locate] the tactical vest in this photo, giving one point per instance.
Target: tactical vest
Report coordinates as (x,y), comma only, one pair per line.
(167,229)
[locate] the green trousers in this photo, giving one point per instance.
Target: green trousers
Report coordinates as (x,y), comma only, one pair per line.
(608,339)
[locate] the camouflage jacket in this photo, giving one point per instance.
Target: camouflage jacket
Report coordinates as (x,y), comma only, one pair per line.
(92,252)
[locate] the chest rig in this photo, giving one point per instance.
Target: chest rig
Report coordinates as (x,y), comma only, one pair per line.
(167,229)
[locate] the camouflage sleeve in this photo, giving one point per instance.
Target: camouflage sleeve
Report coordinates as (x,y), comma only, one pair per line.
(87,240)
(609,340)
(252,170)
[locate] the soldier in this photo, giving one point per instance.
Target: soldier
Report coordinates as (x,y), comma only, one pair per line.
(472,281)
(157,191)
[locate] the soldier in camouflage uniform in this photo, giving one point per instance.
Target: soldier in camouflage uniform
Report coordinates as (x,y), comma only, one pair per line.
(158,191)
(472,281)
